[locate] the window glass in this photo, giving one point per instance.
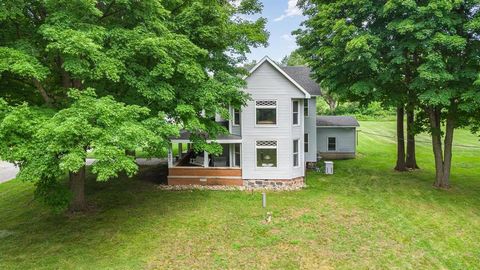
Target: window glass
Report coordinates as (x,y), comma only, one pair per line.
(305,107)
(332,144)
(236,117)
(266,153)
(237,155)
(266,116)
(295,112)
(295,153)
(305,139)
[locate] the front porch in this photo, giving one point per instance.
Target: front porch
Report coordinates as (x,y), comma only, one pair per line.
(187,167)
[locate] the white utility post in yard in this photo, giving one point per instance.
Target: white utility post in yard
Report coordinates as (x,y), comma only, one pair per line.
(170,156)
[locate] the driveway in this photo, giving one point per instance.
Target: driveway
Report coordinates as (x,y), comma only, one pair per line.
(8,171)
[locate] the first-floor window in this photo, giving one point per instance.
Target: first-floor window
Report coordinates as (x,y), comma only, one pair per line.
(237,155)
(266,153)
(295,153)
(305,138)
(332,144)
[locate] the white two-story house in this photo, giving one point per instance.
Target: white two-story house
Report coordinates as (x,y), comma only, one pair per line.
(272,138)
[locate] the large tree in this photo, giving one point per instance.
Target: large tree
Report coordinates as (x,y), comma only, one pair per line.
(176,58)
(418,55)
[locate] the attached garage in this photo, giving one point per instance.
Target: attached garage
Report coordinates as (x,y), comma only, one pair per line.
(337,137)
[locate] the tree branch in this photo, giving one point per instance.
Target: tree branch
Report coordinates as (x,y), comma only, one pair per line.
(42,91)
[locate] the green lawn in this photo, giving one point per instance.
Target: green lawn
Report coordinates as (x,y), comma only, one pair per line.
(364,216)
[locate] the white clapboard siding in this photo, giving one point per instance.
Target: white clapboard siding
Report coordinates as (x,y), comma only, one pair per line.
(345,139)
(266,83)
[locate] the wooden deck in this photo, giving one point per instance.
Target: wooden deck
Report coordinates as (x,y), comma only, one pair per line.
(205,176)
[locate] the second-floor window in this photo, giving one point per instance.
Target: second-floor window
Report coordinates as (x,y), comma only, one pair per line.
(266,112)
(236,117)
(295,111)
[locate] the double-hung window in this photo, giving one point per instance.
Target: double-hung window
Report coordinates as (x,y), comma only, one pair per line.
(295,153)
(305,139)
(305,107)
(332,144)
(295,112)
(266,154)
(236,117)
(266,112)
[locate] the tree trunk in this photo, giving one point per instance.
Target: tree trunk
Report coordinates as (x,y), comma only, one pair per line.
(443,157)
(332,103)
(448,144)
(411,161)
(77,187)
(401,166)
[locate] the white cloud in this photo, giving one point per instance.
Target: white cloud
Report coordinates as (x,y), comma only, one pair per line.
(292,10)
(288,37)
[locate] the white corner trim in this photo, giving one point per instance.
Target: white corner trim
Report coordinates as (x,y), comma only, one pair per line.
(267,59)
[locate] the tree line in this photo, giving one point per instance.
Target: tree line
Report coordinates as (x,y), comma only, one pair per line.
(422,57)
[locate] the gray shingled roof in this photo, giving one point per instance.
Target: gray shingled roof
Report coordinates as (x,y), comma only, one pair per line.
(302,75)
(337,121)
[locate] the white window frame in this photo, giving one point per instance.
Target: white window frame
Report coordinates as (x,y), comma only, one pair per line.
(266,107)
(296,115)
(328,144)
(235,118)
(265,147)
(306,107)
(306,143)
(296,154)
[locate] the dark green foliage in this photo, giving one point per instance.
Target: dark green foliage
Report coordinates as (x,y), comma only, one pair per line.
(155,66)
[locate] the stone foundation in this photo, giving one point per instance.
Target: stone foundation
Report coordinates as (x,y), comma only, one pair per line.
(276,184)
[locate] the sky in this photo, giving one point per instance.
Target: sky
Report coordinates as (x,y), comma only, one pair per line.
(283,17)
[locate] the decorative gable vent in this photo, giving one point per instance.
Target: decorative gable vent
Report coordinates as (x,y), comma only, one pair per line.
(266,103)
(267,143)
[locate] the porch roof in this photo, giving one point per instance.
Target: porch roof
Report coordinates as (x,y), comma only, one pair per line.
(222,138)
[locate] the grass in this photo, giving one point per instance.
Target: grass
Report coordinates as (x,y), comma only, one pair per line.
(366,216)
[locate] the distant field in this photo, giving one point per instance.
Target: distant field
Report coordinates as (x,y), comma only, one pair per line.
(366,216)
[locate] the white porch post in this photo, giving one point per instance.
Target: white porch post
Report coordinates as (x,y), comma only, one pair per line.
(170,156)
(205,159)
(180,150)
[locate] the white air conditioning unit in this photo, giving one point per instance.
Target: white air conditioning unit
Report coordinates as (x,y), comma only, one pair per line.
(328,167)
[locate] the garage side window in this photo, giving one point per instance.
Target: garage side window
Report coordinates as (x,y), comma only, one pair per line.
(332,144)
(266,153)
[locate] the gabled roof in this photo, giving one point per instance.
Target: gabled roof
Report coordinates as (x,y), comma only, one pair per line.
(303,76)
(267,59)
(337,121)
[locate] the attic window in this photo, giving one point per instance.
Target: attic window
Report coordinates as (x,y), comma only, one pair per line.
(266,112)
